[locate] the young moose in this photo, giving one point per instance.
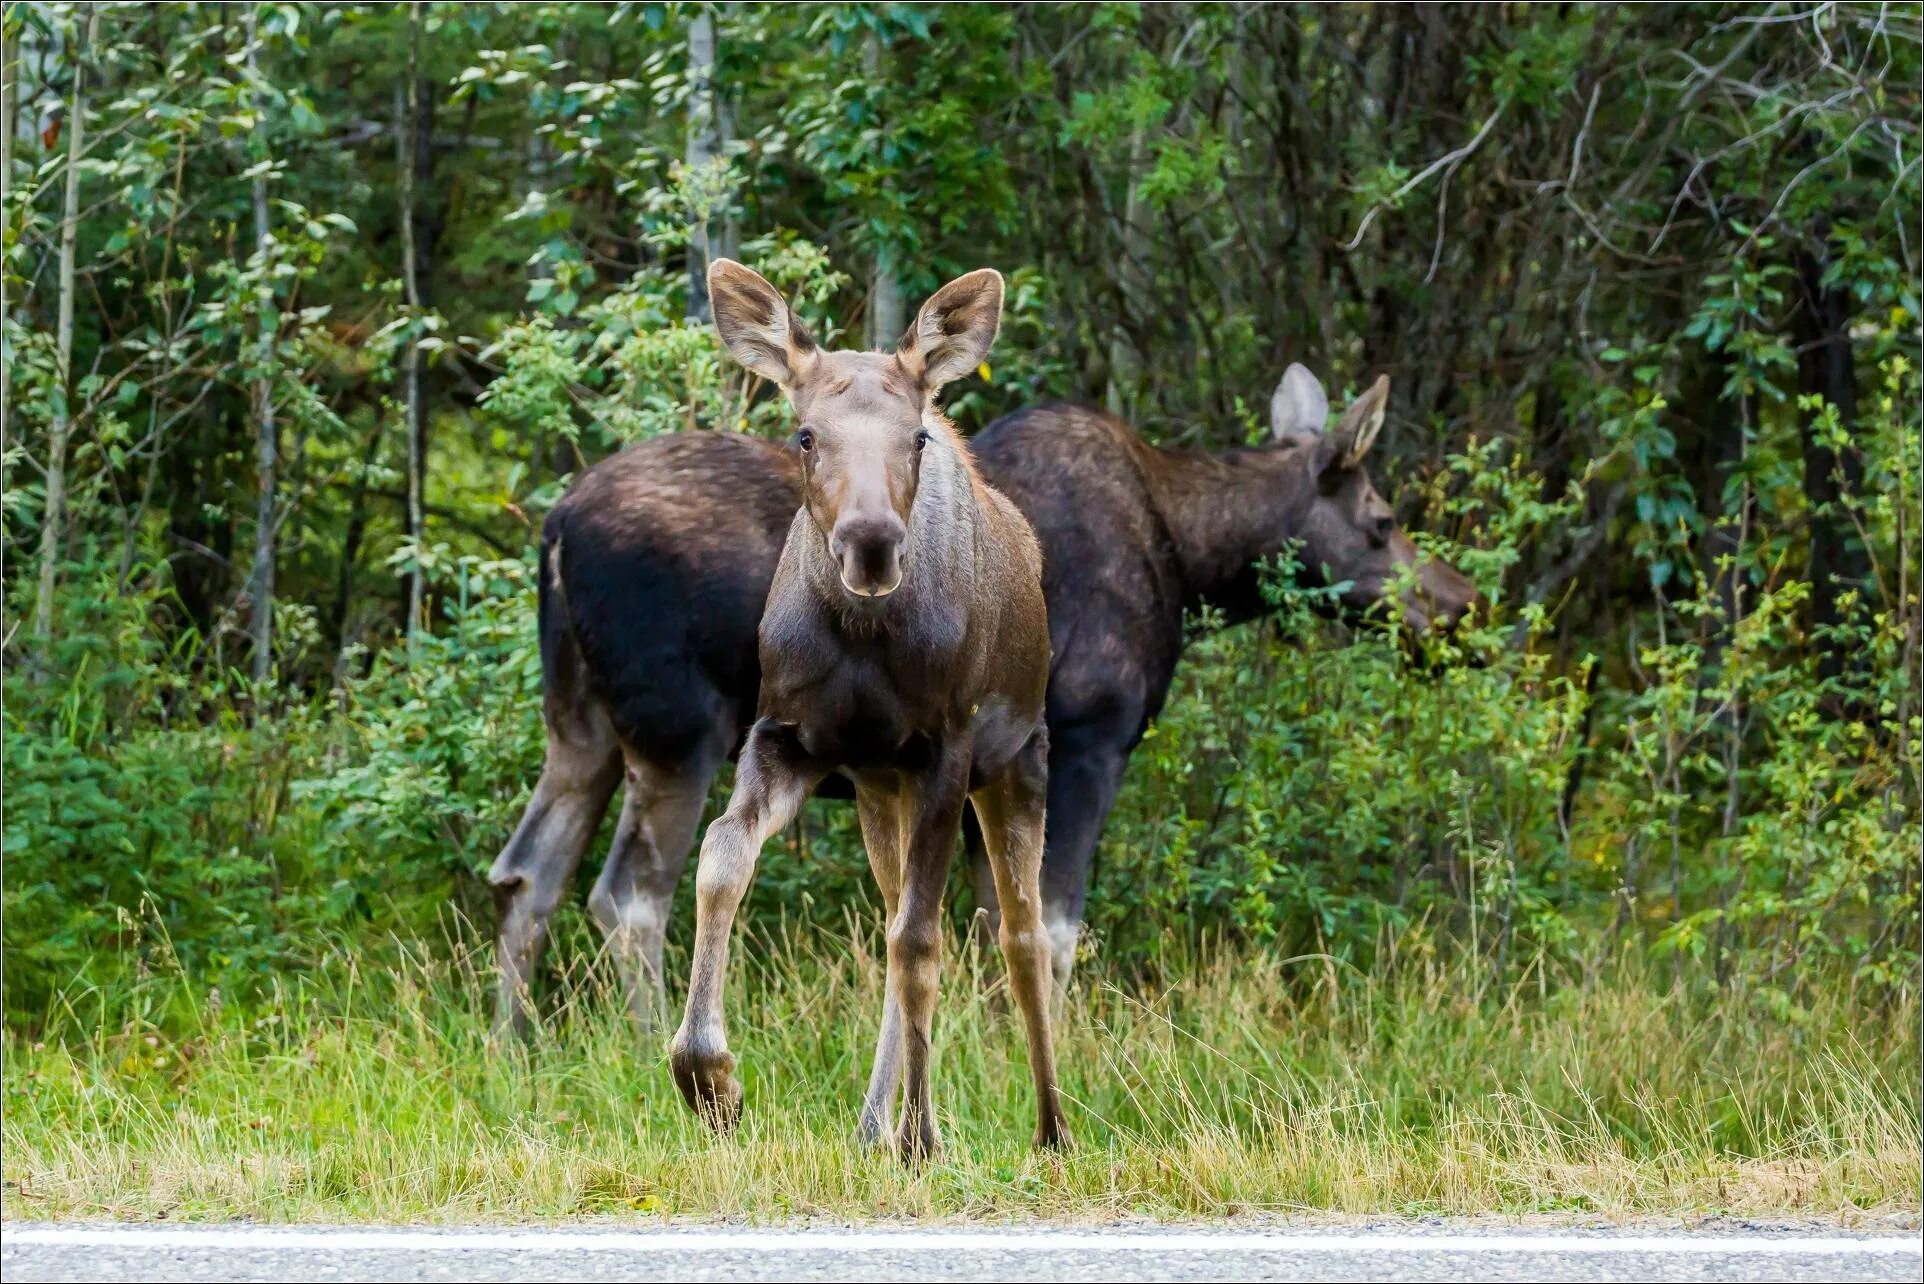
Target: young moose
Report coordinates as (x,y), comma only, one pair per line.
(657,563)
(905,645)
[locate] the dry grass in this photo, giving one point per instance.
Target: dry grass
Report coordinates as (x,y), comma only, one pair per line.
(1245,1088)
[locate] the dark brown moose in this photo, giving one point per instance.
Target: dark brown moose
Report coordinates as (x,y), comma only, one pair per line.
(905,646)
(657,563)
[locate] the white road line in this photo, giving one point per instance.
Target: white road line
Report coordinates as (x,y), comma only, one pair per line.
(947,1241)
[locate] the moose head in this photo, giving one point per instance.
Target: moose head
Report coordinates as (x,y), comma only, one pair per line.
(865,418)
(1348,533)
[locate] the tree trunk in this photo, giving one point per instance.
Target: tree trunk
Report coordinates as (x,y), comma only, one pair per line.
(1712,455)
(704,146)
(8,71)
(1832,478)
(351,551)
(887,313)
(1125,366)
(260,583)
(411,359)
(53,532)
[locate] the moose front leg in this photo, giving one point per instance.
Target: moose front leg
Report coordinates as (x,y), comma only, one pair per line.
(884,813)
(771,783)
(915,937)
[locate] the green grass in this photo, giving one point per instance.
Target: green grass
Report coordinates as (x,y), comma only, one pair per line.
(1251,1085)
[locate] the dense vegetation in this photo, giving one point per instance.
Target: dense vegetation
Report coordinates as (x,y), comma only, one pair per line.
(313,309)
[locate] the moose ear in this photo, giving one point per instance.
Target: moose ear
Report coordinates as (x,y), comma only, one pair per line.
(1299,403)
(954,329)
(755,323)
(1352,438)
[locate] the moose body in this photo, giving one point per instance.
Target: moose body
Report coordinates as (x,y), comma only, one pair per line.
(650,658)
(904,645)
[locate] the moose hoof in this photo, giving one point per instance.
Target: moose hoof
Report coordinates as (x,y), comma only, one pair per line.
(707,1082)
(918,1141)
(869,1131)
(1053,1135)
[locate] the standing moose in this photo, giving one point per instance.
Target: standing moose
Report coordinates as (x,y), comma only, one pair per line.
(656,565)
(905,645)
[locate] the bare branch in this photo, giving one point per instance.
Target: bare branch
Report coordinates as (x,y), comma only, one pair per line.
(1448,159)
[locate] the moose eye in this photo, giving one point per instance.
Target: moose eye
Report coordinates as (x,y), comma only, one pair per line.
(805,438)
(921,440)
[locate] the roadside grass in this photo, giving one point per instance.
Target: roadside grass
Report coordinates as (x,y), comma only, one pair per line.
(1252,1085)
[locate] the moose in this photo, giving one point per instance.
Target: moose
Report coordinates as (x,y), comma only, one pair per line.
(905,645)
(657,563)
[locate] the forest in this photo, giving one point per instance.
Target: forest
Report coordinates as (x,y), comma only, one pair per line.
(312,311)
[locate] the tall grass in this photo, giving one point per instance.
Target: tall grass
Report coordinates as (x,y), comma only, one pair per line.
(1256,1083)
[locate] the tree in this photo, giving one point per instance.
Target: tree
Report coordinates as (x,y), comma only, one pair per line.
(406,126)
(703,151)
(260,582)
(53,530)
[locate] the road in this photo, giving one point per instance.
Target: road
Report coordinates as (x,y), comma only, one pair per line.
(1384,1251)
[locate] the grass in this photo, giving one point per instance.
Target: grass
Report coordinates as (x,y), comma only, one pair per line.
(1253,1084)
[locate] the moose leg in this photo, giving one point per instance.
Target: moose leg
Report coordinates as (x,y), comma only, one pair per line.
(1010,809)
(1085,771)
(533,871)
(772,782)
(882,816)
(915,937)
(632,897)
(987,922)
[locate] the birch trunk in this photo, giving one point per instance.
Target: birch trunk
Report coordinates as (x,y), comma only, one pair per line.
(53,526)
(887,315)
(7,95)
(704,145)
(411,359)
(1125,371)
(260,582)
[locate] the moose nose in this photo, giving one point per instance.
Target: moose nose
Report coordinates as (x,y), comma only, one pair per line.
(869,551)
(1444,603)
(1460,610)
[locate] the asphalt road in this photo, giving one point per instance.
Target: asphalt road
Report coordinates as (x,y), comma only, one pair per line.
(1384,1251)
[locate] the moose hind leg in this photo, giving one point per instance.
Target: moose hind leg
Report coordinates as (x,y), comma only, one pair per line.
(534,870)
(632,898)
(1085,770)
(987,920)
(1011,813)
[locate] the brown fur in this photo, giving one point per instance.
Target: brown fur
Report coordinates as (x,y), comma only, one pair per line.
(657,565)
(905,645)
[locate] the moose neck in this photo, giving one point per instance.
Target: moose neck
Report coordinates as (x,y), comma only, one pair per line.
(1225,513)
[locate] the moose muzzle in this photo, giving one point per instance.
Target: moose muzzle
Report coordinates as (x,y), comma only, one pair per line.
(868,550)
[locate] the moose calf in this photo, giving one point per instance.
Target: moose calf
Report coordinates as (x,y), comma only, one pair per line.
(905,645)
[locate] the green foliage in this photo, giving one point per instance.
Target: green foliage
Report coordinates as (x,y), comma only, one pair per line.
(438,753)
(1644,280)
(135,793)
(631,368)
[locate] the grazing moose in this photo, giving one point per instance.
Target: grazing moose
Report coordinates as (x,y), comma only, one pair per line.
(656,565)
(1133,535)
(905,645)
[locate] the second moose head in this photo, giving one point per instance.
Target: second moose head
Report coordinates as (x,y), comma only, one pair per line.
(1348,532)
(864,417)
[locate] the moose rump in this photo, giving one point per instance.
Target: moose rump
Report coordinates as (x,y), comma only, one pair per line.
(650,594)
